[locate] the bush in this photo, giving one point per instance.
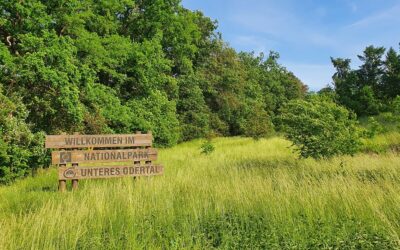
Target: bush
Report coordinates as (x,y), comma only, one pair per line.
(207,147)
(374,128)
(319,128)
(20,150)
(258,124)
(395,106)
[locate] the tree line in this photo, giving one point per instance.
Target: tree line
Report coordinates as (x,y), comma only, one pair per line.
(373,87)
(120,66)
(325,124)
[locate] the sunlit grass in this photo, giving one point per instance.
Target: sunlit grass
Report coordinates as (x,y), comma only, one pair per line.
(246,194)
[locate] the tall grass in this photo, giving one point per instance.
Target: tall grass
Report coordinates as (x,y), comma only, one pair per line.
(246,194)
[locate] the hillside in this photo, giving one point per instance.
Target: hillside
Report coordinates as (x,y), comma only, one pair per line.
(246,194)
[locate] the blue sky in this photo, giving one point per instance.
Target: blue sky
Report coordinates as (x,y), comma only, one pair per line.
(306,33)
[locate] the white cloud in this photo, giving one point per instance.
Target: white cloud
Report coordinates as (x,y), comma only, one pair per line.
(381,18)
(307,39)
(280,24)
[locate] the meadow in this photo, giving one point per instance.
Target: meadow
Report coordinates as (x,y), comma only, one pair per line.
(246,194)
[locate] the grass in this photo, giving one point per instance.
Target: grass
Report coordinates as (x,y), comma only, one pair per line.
(246,194)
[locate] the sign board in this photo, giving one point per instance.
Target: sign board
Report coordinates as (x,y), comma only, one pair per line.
(79,173)
(134,148)
(98,141)
(121,155)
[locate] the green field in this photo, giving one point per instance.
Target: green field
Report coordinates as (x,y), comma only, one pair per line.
(246,194)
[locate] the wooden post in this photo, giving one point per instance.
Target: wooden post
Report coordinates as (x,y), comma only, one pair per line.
(137,162)
(148,162)
(75,181)
(62,184)
(74,165)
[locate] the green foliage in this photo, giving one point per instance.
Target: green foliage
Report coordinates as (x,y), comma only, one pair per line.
(395,106)
(104,111)
(319,128)
(158,115)
(257,124)
(194,114)
(207,147)
(374,127)
(20,149)
(121,66)
(370,89)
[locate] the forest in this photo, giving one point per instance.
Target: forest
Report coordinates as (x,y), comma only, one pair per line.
(98,67)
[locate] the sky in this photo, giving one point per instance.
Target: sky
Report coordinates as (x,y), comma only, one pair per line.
(306,33)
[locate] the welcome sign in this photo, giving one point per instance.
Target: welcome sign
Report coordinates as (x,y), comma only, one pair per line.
(98,141)
(76,149)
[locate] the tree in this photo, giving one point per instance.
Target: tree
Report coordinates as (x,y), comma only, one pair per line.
(370,89)
(118,66)
(157,114)
(391,78)
(319,128)
(193,113)
(371,71)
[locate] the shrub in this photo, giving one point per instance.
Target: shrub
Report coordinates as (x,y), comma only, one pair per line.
(395,106)
(207,147)
(374,128)
(258,124)
(319,128)
(20,150)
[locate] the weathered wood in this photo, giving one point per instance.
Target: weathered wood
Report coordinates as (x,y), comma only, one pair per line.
(65,173)
(98,141)
(62,184)
(75,181)
(148,161)
(121,155)
(75,185)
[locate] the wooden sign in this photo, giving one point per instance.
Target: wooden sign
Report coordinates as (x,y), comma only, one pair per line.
(77,173)
(98,141)
(136,154)
(121,155)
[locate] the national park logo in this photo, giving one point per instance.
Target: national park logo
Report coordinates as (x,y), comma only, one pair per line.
(65,157)
(69,173)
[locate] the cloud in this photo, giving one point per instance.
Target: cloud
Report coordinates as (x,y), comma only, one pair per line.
(308,33)
(281,24)
(378,19)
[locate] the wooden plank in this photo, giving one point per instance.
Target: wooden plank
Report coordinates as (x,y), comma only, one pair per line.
(79,173)
(118,155)
(98,141)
